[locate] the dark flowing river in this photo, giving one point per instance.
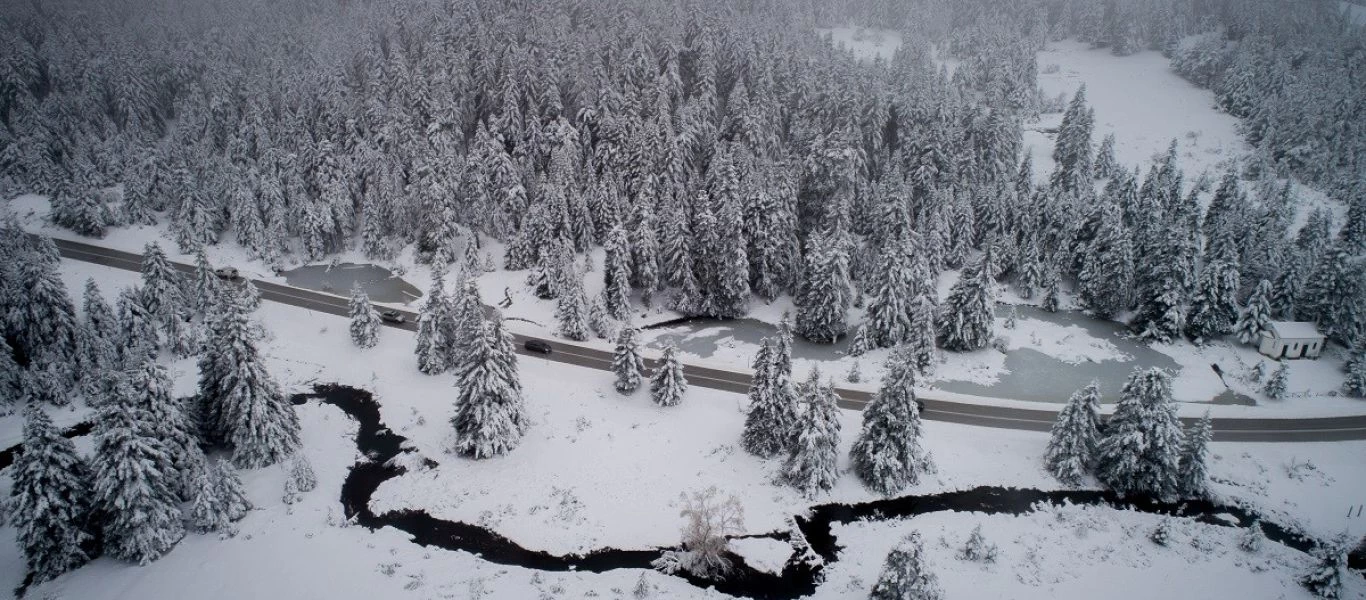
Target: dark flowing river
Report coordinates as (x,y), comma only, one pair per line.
(380,444)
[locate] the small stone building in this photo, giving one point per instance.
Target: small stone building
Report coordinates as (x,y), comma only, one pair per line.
(1291,339)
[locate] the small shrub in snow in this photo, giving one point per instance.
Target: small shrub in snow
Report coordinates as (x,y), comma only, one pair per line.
(1000,344)
(642,589)
(977,549)
(1324,579)
(855,374)
(301,473)
(1252,538)
(1275,387)
(1258,372)
(1162,534)
(905,576)
(709,520)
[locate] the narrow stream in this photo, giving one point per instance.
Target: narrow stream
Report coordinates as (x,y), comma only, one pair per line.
(379,444)
(7,455)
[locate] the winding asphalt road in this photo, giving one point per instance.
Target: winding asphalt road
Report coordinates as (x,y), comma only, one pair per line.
(1325,429)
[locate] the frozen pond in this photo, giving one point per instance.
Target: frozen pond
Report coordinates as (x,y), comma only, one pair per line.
(1029,374)
(381,284)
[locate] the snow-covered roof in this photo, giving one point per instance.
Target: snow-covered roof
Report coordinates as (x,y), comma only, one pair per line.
(1295,330)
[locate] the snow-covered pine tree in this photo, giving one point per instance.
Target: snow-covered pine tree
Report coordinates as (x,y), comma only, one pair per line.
(151,388)
(921,342)
(135,485)
(99,332)
(42,319)
(616,274)
(1255,318)
(1106,279)
(1072,151)
(1193,481)
(1276,386)
(772,415)
(301,473)
(490,414)
(49,503)
(231,494)
(206,509)
(667,384)
(861,343)
(1106,166)
(890,308)
(626,361)
(365,319)
(206,285)
(812,465)
(1140,452)
(571,308)
(138,334)
(966,318)
(1324,579)
(432,346)
(1354,385)
(824,295)
(1052,295)
(242,405)
(163,292)
(887,455)
(1214,309)
(905,576)
(1072,445)
(11,375)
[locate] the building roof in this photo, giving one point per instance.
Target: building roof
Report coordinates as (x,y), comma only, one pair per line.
(1296,330)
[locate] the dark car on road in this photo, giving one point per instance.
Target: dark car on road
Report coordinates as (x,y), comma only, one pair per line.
(228,273)
(392,316)
(537,346)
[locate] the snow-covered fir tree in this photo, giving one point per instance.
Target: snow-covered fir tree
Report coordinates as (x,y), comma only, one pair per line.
(42,319)
(1214,309)
(861,342)
(1072,151)
(616,273)
(772,417)
(490,413)
(1194,476)
(231,493)
(301,473)
(49,504)
(967,316)
(905,576)
(241,404)
(135,484)
(887,455)
(890,305)
(1140,452)
(824,296)
(1354,385)
(667,384)
(207,511)
(626,361)
(1072,444)
(365,319)
(1324,579)
(1106,166)
(162,286)
(432,346)
(571,308)
(206,286)
(812,465)
(1275,387)
(150,386)
(1255,318)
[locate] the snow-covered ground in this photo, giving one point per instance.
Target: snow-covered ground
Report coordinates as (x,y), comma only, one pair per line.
(863,42)
(601,469)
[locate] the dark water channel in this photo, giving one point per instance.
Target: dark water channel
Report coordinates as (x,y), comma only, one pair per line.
(379,444)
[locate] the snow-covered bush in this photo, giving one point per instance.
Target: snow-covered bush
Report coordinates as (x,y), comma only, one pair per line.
(977,549)
(709,520)
(905,575)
